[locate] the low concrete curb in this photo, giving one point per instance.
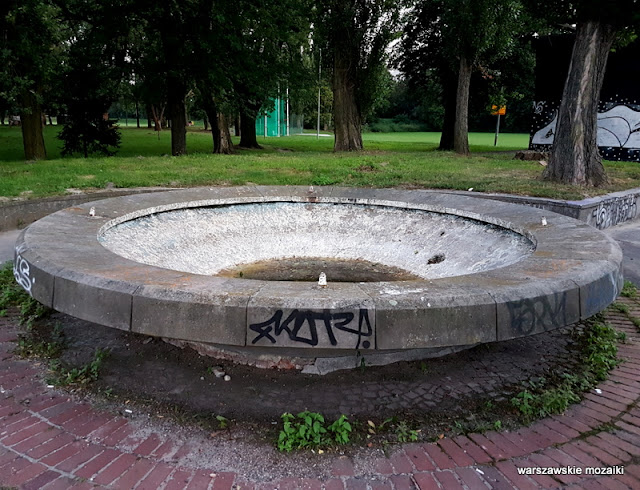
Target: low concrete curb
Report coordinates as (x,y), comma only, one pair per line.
(19,213)
(600,212)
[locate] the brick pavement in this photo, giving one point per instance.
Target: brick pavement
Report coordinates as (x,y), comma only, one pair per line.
(54,442)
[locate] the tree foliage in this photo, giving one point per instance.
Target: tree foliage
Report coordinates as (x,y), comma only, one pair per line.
(451,39)
(32,50)
(93,76)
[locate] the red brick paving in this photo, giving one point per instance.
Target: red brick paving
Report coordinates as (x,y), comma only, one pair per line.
(55,442)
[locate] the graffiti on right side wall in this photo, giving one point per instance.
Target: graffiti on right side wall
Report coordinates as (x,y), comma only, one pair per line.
(614,211)
(618,130)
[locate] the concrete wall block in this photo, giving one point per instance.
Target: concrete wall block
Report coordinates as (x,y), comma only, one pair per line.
(94,299)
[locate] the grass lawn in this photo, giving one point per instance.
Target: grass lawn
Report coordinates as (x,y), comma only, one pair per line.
(390,160)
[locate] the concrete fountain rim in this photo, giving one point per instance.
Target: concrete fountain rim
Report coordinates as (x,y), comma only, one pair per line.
(574,272)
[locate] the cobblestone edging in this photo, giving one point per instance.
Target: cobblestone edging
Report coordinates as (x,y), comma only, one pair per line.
(55,442)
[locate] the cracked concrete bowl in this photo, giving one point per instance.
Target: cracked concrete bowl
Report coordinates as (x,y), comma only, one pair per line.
(234,271)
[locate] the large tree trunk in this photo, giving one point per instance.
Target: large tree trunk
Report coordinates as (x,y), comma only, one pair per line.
(461,126)
(176,92)
(346,114)
(449,80)
(248,137)
(32,136)
(574,155)
(236,123)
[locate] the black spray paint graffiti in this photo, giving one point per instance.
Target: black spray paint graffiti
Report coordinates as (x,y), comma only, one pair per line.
(294,324)
(533,315)
(618,210)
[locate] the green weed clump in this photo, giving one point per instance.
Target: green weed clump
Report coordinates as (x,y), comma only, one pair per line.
(78,376)
(541,398)
(307,430)
(13,295)
(629,290)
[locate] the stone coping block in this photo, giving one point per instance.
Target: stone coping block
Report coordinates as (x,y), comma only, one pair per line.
(574,272)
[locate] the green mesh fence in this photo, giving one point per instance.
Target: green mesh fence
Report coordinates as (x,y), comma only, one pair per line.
(278,122)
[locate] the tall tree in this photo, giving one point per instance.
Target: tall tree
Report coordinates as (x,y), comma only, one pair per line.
(165,43)
(423,60)
(476,32)
(94,73)
(574,155)
(454,38)
(267,46)
(355,35)
(214,87)
(31,50)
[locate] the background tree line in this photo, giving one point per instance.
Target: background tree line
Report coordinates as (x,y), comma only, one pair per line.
(227,60)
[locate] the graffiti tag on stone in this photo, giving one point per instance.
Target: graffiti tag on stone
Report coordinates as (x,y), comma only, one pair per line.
(21,273)
(615,211)
(303,326)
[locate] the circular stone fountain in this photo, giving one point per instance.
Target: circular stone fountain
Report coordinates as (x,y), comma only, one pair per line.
(234,271)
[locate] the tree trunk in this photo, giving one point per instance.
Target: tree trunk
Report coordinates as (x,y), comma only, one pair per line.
(248,137)
(205,120)
(346,114)
(219,129)
(32,135)
(176,91)
(222,138)
(449,80)
(236,123)
(574,155)
(461,126)
(3,114)
(158,115)
(137,115)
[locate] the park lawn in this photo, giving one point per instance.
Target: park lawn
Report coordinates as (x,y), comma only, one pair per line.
(408,160)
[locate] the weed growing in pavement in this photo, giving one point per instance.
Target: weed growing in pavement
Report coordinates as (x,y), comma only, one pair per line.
(78,376)
(405,434)
(307,430)
(629,290)
(12,295)
(542,397)
(620,307)
(44,344)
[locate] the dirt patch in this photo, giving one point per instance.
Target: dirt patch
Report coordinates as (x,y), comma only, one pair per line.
(150,370)
(367,168)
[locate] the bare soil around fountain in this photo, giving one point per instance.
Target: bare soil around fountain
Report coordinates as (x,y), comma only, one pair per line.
(467,390)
